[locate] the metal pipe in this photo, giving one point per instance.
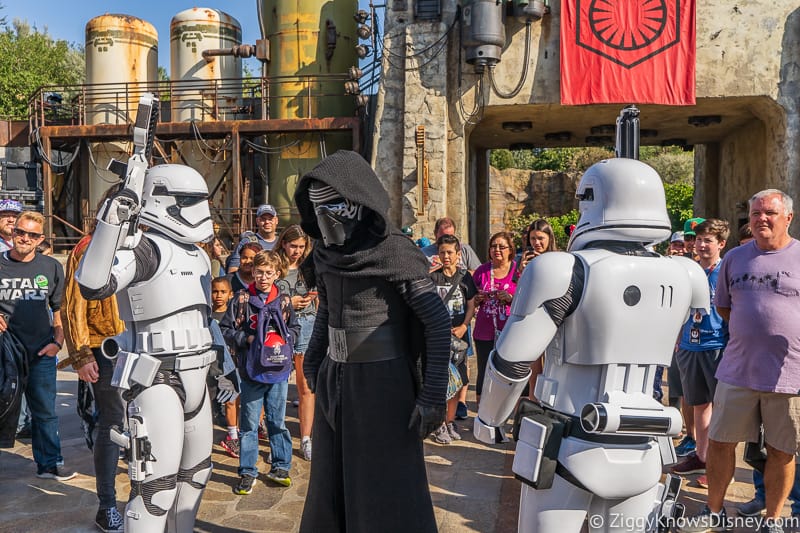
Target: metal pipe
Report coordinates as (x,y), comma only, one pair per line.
(242,50)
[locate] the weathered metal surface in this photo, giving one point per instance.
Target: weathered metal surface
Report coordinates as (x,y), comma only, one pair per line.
(14,133)
(220,128)
(121,55)
(192,32)
(306,37)
(120,49)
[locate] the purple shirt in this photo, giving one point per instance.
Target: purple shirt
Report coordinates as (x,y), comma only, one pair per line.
(762,288)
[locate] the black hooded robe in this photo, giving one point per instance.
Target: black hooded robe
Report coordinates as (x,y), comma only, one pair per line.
(368,472)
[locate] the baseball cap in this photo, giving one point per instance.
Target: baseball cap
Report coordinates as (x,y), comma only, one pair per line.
(10,205)
(676,237)
(689,225)
(266,209)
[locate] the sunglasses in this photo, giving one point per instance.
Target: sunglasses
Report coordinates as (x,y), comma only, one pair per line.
(30,234)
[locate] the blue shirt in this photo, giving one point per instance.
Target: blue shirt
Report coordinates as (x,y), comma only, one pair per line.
(711,331)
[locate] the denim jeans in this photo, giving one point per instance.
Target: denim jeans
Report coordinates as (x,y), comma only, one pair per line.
(306,327)
(794,495)
(41,396)
(24,415)
(111,412)
(273,398)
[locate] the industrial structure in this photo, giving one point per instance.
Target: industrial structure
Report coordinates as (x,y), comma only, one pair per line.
(457,78)
(251,137)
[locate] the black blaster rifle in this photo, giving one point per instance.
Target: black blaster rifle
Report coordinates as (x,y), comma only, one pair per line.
(133,172)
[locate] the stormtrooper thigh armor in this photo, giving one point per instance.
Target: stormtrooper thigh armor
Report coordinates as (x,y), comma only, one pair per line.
(169,489)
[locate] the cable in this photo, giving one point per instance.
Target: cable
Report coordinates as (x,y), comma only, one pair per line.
(270,150)
(443,37)
(474,116)
(97,168)
(45,158)
(525,63)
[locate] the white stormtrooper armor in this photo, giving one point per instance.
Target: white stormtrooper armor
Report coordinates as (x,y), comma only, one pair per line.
(607,314)
(162,280)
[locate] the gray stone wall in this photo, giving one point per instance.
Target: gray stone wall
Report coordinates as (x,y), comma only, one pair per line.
(748,58)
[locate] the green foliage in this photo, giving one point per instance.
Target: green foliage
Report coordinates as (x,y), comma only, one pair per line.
(30,59)
(501,159)
(675,167)
(518,225)
(671,162)
(679,203)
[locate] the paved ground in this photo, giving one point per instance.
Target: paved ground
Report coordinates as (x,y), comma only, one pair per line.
(472,486)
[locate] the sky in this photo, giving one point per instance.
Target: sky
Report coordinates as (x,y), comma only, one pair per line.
(67,19)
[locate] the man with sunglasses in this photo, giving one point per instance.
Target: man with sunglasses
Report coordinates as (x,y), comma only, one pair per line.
(30,294)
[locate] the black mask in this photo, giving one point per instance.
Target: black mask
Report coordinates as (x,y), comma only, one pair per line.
(337,220)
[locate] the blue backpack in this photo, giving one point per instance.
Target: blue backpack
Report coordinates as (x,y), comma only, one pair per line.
(269,358)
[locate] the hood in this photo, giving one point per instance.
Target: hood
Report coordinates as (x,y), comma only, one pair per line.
(352,177)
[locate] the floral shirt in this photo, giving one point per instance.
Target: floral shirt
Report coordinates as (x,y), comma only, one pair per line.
(492,315)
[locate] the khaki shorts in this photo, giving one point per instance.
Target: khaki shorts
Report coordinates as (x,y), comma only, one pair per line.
(738,412)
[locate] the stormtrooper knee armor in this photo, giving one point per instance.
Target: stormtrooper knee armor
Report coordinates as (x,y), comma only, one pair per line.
(162,280)
(606,314)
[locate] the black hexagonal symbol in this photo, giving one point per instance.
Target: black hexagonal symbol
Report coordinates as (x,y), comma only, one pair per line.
(628,32)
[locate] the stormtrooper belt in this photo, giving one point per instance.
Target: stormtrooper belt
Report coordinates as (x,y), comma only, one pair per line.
(175,362)
(367,345)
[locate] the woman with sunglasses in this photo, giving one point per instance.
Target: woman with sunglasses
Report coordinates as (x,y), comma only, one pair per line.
(496,282)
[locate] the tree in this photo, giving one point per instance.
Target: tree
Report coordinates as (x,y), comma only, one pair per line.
(30,59)
(680,197)
(517,226)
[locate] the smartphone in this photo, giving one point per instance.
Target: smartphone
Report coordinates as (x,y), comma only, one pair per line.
(313,294)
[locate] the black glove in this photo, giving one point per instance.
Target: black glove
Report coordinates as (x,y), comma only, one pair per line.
(426,419)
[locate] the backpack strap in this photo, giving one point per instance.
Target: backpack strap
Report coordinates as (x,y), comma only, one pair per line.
(456,281)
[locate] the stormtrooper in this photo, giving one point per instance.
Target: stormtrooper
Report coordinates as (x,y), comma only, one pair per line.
(606,313)
(162,281)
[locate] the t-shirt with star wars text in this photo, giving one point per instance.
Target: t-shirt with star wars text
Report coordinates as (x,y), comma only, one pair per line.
(29,292)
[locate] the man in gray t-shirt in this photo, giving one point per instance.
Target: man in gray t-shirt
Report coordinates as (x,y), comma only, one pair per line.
(758,293)
(446,226)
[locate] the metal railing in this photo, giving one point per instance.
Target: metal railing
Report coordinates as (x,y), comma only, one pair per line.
(263,98)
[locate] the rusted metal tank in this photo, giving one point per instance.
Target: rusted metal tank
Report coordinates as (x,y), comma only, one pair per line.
(307,38)
(121,59)
(211,89)
(121,63)
(205,89)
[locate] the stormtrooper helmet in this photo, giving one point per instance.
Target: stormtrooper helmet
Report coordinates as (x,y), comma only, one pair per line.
(175,202)
(620,200)
(337,217)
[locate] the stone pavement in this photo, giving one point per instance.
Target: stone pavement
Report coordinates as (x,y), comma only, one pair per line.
(471,484)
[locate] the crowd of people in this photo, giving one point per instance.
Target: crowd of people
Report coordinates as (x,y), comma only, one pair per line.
(735,369)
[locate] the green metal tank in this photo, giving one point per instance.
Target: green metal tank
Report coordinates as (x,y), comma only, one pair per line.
(306,38)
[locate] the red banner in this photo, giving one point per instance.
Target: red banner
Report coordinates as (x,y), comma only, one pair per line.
(628,52)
